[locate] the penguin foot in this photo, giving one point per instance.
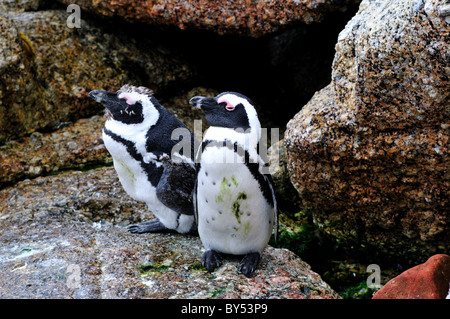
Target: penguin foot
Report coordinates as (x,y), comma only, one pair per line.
(152,226)
(249,263)
(211,259)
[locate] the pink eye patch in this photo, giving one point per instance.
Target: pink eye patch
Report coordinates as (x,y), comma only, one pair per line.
(228,107)
(128,98)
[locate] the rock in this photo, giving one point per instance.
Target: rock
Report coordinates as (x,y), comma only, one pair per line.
(369,153)
(253,18)
(26,5)
(287,196)
(63,237)
(77,146)
(179,106)
(429,280)
(18,111)
(393,55)
(57,66)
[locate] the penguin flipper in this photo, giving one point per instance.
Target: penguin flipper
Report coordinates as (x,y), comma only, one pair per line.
(271,184)
(152,226)
(175,187)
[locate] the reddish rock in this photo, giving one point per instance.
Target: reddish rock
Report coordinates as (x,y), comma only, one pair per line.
(244,17)
(429,280)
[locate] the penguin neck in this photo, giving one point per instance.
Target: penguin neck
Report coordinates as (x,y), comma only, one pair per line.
(248,139)
(135,133)
(129,131)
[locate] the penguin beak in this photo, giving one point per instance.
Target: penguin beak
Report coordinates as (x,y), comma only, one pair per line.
(196,101)
(102,96)
(203,103)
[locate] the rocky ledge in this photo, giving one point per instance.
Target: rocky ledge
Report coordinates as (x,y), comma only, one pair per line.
(64,236)
(242,17)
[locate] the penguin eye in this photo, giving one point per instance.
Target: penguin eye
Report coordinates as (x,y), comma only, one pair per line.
(129,100)
(228,106)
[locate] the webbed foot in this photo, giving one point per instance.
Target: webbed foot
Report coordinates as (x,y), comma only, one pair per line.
(152,226)
(249,263)
(211,259)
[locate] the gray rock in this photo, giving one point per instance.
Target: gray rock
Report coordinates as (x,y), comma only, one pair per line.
(368,154)
(287,197)
(63,236)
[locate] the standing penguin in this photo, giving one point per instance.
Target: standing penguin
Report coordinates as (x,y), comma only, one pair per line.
(137,134)
(234,198)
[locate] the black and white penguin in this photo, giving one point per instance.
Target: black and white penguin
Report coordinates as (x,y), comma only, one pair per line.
(138,135)
(234,196)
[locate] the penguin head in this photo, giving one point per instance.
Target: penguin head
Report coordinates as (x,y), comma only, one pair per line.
(229,110)
(129,105)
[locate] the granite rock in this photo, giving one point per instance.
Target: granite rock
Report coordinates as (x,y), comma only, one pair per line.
(56,67)
(429,280)
(391,65)
(288,200)
(76,146)
(63,236)
(369,153)
(242,17)
(18,111)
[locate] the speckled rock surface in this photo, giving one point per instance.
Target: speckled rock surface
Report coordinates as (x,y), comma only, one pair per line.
(369,153)
(63,236)
(243,17)
(76,146)
(17,111)
(287,197)
(57,66)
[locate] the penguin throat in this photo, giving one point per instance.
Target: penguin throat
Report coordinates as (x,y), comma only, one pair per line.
(247,139)
(108,115)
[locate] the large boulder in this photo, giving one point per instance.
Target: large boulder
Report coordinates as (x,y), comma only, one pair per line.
(63,236)
(242,17)
(369,153)
(47,69)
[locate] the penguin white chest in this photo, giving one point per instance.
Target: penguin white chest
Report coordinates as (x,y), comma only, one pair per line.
(233,215)
(131,174)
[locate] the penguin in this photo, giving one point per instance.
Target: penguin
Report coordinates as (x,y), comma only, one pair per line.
(234,197)
(138,134)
